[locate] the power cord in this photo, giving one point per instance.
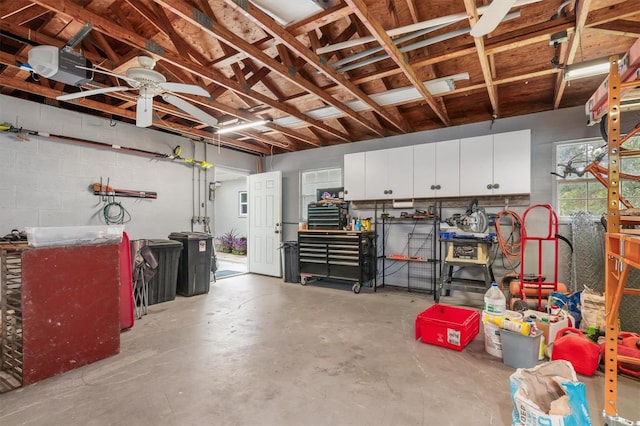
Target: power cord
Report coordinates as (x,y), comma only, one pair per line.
(511,246)
(120,215)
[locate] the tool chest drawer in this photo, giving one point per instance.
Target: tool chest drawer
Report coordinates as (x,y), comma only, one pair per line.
(327,216)
(342,255)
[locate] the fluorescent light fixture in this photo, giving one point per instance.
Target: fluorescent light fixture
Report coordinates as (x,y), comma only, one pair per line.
(586,69)
(246,125)
(397,96)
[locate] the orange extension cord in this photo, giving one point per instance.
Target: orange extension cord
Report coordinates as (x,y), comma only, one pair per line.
(512,246)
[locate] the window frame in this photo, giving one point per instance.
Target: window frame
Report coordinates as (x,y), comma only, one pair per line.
(587,178)
(242,204)
(302,205)
(632,164)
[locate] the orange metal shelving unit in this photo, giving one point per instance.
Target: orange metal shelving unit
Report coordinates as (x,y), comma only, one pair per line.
(622,248)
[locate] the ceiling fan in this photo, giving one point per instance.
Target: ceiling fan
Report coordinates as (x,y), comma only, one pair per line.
(494,14)
(149,83)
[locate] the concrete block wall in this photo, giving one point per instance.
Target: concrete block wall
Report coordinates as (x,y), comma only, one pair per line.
(547,129)
(45,181)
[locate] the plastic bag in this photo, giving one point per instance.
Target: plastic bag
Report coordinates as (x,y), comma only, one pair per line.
(549,387)
(570,303)
(592,310)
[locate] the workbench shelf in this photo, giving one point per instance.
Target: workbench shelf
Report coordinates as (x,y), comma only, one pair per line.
(422,257)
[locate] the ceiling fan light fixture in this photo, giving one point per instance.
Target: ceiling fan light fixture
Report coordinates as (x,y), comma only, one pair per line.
(586,69)
(247,125)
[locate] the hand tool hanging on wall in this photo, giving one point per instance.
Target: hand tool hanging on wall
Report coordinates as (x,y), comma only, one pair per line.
(105,190)
(176,156)
(23,135)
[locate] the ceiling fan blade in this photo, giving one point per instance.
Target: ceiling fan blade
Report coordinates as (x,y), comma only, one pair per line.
(132,82)
(497,10)
(190,109)
(144,111)
(190,89)
(85,93)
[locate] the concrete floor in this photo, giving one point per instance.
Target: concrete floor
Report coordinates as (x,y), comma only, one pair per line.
(256,350)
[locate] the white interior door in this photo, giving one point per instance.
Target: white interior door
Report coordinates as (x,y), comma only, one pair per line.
(264,191)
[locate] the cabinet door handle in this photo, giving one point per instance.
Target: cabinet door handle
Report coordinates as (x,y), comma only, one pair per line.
(391,191)
(496,185)
(489,186)
(433,187)
(438,186)
(386,192)
(346,191)
(277,230)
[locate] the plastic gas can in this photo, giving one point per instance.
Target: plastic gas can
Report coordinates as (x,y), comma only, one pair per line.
(573,346)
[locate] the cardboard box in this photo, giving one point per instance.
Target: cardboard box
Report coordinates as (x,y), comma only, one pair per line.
(549,329)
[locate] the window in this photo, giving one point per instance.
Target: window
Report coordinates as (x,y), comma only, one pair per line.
(242,203)
(311,180)
(579,190)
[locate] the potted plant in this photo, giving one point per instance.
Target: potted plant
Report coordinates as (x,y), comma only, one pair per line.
(226,240)
(240,246)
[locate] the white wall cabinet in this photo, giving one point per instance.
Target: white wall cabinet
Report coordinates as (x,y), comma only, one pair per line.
(496,164)
(354,176)
(484,165)
(436,169)
(512,162)
(476,165)
(389,173)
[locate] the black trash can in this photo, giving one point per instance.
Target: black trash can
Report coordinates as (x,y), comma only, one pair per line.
(291,267)
(162,287)
(194,269)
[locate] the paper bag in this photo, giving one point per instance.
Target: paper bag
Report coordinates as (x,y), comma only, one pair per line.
(548,387)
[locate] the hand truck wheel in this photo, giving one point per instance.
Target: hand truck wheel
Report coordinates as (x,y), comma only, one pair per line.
(356,288)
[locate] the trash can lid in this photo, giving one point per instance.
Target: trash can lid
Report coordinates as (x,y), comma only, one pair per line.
(189,235)
(158,242)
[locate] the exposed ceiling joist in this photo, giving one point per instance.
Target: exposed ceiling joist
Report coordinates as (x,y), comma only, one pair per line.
(99,106)
(255,67)
(73,11)
(194,17)
(269,26)
(360,8)
(574,42)
(472,13)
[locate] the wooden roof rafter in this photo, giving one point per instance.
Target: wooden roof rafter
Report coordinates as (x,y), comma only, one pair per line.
(241,86)
(129,101)
(472,13)
(323,18)
(218,31)
(362,31)
(360,8)
(137,41)
(568,54)
(99,106)
(268,25)
(228,50)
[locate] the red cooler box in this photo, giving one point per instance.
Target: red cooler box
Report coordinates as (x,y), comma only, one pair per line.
(448,326)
